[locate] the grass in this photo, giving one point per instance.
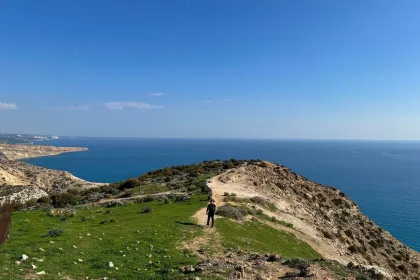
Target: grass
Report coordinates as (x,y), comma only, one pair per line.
(258,237)
(126,242)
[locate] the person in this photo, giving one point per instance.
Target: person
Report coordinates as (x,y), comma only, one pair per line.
(211,210)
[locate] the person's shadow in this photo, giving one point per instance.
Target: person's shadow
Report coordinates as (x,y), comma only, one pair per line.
(188,224)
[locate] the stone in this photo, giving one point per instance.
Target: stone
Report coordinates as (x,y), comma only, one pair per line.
(41,273)
(111,264)
(24,257)
(273,258)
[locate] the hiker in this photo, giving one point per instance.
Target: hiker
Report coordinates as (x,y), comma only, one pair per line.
(211,209)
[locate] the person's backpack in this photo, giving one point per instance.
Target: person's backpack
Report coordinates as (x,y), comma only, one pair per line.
(212,207)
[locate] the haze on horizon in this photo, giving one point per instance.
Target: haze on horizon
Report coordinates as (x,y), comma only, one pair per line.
(201,68)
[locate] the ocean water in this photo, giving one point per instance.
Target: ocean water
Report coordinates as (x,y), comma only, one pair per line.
(382,177)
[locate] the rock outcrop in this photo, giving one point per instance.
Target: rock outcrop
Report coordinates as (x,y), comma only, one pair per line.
(16,173)
(327,215)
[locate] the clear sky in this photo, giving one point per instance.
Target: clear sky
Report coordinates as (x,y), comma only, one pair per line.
(211,68)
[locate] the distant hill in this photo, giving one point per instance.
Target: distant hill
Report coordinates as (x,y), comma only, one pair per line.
(18,151)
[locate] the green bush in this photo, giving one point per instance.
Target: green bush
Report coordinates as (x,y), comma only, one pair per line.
(148,198)
(31,203)
(110,221)
(129,184)
(182,198)
(147,210)
(45,200)
(61,200)
(54,232)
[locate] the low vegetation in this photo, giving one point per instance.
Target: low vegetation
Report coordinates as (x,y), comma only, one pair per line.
(258,237)
(141,246)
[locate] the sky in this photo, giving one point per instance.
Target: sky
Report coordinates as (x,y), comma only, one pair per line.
(295,69)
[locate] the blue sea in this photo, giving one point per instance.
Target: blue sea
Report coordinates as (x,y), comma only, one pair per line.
(382,177)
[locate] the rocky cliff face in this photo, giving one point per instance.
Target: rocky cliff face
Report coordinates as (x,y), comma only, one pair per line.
(16,173)
(328,216)
(14,152)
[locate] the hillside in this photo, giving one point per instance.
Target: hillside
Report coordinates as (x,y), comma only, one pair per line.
(16,173)
(17,151)
(271,224)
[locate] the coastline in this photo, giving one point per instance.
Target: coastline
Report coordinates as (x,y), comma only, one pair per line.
(19,151)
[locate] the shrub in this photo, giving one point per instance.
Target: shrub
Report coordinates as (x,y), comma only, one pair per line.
(45,200)
(54,232)
(114,203)
(147,210)
(230,212)
(63,199)
(233,194)
(182,198)
(148,198)
(110,221)
(129,184)
(226,194)
(258,200)
(166,201)
(295,262)
(30,203)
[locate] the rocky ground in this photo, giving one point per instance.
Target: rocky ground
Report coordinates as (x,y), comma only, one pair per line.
(323,217)
(16,173)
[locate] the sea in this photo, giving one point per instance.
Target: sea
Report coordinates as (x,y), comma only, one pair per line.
(382,177)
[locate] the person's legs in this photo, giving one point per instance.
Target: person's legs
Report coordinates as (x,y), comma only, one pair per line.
(208,219)
(212,220)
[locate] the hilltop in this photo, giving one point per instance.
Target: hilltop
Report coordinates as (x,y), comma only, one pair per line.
(271,224)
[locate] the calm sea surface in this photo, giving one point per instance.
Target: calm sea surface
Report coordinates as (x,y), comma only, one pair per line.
(382,177)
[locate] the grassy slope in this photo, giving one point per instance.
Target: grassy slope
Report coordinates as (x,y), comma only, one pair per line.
(159,228)
(162,228)
(261,238)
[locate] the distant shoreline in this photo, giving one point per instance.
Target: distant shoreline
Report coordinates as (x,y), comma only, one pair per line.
(22,151)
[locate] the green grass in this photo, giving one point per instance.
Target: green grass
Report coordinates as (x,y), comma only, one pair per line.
(161,228)
(258,237)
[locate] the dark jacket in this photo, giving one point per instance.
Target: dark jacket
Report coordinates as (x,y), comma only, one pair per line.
(211,208)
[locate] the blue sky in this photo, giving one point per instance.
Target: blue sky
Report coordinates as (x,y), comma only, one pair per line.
(211,68)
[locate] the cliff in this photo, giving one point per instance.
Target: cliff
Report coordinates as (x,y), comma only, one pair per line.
(16,173)
(324,217)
